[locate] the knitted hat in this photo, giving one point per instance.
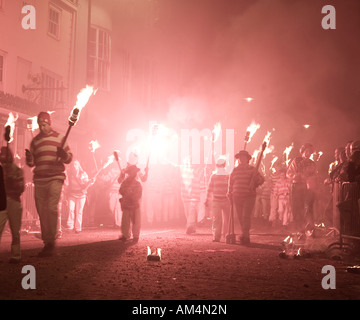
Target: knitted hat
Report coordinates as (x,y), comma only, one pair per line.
(44,116)
(221,161)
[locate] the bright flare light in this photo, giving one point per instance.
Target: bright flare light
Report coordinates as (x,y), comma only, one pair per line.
(306,126)
(249,99)
(11,123)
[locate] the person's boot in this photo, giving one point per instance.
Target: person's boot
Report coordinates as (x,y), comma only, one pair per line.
(15,253)
(47,251)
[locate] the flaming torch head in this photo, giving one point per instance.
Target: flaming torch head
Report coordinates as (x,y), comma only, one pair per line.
(7,133)
(251,131)
(74,116)
(10,127)
(82,99)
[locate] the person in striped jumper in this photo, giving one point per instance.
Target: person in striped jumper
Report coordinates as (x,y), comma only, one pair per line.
(243,182)
(217,195)
(303,175)
(48,156)
(281,193)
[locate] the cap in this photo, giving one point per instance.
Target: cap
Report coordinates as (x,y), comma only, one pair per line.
(44,116)
(221,161)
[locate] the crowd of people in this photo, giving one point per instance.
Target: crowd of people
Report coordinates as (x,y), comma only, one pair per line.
(285,196)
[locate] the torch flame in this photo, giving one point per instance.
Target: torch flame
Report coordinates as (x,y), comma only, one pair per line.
(84,96)
(32,124)
(273,162)
(11,123)
(109,161)
(216,131)
(268,148)
(94,144)
(317,154)
(82,99)
(255,155)
(252,129)
(287,152)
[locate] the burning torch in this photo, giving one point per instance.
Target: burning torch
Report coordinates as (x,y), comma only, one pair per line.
(116,157)
(9,129)
(250,131)
(82,99)
(94,144)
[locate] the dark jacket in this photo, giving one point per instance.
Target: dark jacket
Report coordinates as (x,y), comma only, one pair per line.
(14,181)
(131,192)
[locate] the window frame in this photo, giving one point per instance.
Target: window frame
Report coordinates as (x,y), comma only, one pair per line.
(99,61)
(58,25)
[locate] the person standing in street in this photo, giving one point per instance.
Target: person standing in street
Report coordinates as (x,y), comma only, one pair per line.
(48,155)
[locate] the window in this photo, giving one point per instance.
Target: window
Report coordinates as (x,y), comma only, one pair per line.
(54,22)
(51,94)
(98,72)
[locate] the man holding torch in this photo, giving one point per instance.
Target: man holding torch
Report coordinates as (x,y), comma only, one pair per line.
(243,182)
(48,153)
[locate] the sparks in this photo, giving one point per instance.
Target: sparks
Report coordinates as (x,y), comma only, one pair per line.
(11,123)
